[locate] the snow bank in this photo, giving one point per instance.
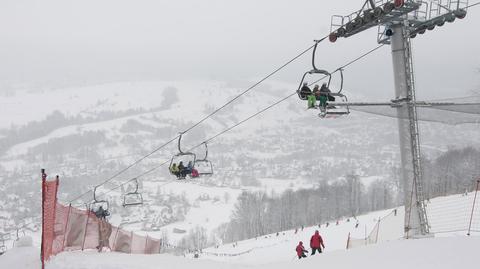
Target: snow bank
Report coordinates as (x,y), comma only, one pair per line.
(25,241)
(21,258)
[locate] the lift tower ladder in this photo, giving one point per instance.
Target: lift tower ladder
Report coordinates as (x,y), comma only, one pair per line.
(398,21)
(414,137)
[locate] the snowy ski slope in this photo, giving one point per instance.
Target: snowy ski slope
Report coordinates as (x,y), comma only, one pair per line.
(271,251)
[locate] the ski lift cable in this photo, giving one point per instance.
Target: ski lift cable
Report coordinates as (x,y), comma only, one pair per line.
(255,84)
(208,140)
(244,120)
(351,62)
(126,168)
(206,117)
(474,4)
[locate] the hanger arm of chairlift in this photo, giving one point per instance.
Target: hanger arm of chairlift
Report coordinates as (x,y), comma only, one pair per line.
(395,104)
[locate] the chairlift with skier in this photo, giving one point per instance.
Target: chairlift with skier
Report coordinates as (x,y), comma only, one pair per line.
(328,110)
(96,204)
(180,161)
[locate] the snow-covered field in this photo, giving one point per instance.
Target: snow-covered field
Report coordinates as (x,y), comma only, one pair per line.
(448,250)
(435,253)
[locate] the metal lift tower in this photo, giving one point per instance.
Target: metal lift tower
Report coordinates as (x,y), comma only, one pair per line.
(398,22)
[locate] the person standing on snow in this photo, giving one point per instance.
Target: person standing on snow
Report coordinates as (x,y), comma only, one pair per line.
(316,243)
(301,250)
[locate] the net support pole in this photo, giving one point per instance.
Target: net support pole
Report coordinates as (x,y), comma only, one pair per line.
(131,241)
(44,179)
(86,228)
(145,247)
(115,239)
(473,207)
(348,240)
(66,226)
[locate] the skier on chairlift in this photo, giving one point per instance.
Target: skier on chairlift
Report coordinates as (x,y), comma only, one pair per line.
(325,89)
(104,228)
(174,170)
(182,170)
(189,168)
(101,213)
(195,173)
(306,93)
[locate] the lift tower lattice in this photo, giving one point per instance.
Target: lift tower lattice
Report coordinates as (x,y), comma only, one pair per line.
(398,21)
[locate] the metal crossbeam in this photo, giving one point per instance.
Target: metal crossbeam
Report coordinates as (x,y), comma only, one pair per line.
(396,104)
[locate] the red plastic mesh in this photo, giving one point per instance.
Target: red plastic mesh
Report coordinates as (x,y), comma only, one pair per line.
(75,231)
(49,201)
(138,244)
(59,228)
(152,246)
(123,241)
(70,228)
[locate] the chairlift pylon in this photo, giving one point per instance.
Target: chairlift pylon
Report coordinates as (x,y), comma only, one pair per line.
(133,198)
(204,166)
(181,156)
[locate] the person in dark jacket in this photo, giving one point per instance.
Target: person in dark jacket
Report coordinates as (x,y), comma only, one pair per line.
(306,93)
(182,170)
(104,228)
(188,169)
(301,250)
(325,89)
(101,213)
(305,90)
(316,243)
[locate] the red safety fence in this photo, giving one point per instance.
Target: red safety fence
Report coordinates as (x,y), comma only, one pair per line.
(49,202)
(66,228)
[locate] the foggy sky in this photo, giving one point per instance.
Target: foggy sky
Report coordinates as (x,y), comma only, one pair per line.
(92,41)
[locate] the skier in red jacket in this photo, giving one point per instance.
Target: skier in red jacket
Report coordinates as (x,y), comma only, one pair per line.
(301,250)
(316,243)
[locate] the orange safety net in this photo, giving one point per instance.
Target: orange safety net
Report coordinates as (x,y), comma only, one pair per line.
(66,228)
(49,202)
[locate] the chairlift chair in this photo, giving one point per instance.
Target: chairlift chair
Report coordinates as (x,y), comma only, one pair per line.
(329,111)
(182,156)
(204,166)
(336,110)
(133,198)
(96,204)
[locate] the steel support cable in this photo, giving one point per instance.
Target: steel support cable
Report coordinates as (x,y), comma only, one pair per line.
(208,140)
(209,115)
(352,61)
(254,85)
(474,4)
(126,168)
(245,120)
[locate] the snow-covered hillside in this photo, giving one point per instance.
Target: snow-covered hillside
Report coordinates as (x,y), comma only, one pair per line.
(433,253)
(91,132)
(277,251)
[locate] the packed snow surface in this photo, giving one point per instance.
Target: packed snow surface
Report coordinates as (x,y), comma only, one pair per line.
(438,253)
(448,250)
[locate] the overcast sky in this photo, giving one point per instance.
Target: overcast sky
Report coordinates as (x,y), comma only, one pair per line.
(92,41)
